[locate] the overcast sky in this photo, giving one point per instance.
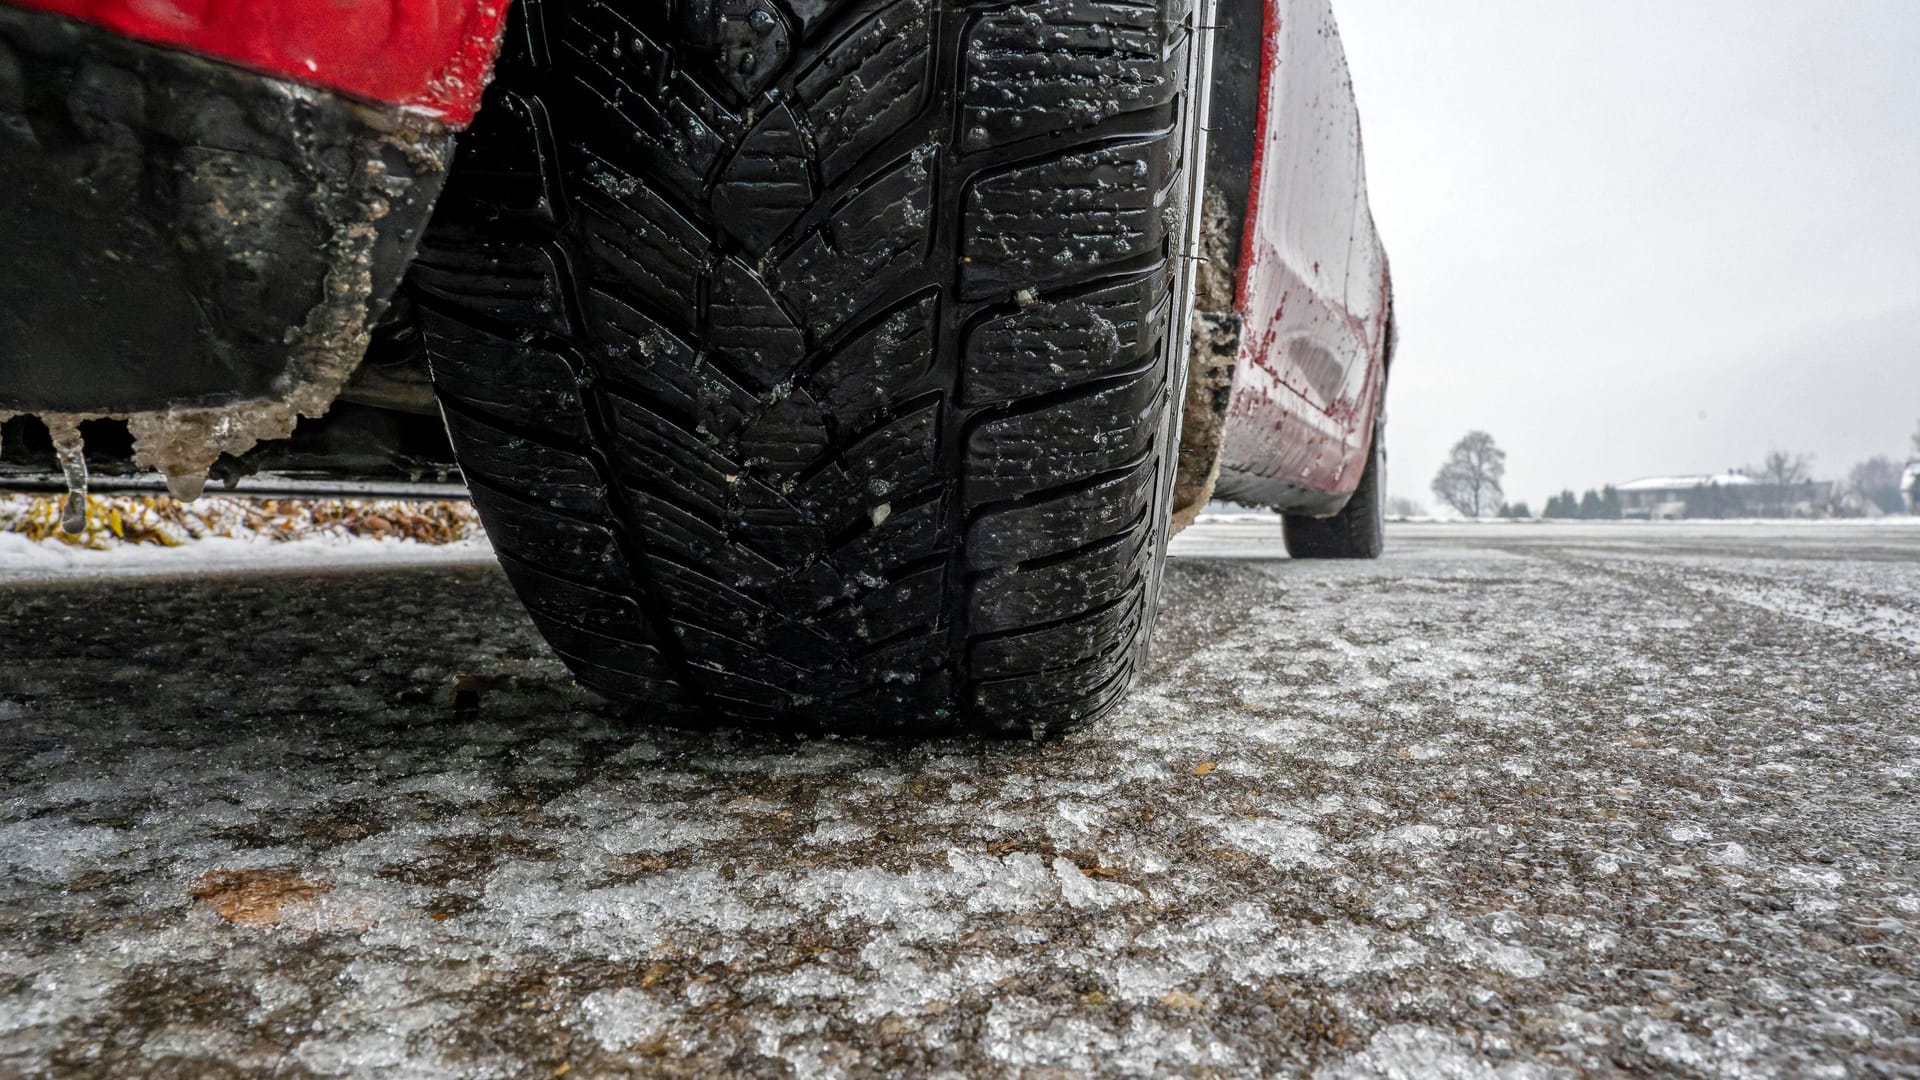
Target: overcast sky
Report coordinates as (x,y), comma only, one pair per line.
(1645,237)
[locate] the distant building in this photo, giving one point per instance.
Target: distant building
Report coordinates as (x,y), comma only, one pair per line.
(1722,495)
(1658,497)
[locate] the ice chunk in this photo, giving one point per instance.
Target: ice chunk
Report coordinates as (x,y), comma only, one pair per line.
(72,452)
(186,486)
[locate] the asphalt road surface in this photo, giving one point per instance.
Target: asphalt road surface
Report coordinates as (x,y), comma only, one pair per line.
(1514,801)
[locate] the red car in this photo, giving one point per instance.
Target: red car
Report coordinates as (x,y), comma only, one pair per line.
(818,363)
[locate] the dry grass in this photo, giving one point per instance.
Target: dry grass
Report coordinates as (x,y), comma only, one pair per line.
(117,520)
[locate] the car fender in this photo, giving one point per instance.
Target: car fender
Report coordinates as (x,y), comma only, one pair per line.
(1306,319)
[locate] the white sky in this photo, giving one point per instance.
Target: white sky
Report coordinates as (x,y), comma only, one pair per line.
(1645,236)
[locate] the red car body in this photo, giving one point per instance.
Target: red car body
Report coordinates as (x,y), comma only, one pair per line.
(433,56)
(1312,286)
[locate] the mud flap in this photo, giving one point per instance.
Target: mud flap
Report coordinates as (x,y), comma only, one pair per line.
(196,248)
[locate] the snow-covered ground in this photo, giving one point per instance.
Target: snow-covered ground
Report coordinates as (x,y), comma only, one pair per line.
(153,536)
(23,560)
(1514,801)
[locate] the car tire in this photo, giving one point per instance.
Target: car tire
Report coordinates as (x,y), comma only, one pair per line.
(813,365)
(1358,531)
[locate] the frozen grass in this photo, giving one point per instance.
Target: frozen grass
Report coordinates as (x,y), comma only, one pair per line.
(143,535)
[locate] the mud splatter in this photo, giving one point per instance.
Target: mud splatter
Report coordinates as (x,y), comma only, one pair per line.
(255,898)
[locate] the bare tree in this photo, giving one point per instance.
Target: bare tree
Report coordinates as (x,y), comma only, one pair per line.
(1785,470)
(1877,480)
(1404,507)
(1780,475)
(1470,480)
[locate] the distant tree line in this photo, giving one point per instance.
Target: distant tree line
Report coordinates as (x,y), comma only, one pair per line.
(1782,485)
(1593,505)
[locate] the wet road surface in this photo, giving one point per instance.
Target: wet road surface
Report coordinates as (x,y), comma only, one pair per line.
(1514,801)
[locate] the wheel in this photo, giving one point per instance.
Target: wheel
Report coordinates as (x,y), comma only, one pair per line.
(1358,531)
(810,363)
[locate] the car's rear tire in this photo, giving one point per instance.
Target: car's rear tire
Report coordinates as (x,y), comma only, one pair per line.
(1358,531)
(811,364)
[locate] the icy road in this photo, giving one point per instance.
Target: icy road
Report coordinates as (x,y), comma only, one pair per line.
(1515,801)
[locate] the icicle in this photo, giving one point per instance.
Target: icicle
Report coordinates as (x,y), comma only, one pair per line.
(186,486)
(72,452)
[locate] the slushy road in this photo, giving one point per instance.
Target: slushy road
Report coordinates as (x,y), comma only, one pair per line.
(1513,801)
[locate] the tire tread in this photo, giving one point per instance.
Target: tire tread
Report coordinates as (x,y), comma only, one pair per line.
(782,410)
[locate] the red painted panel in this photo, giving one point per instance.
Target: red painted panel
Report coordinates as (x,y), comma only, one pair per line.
(1312,288)
(430,55)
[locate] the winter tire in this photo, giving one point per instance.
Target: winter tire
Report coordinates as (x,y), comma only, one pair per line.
(810,361)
